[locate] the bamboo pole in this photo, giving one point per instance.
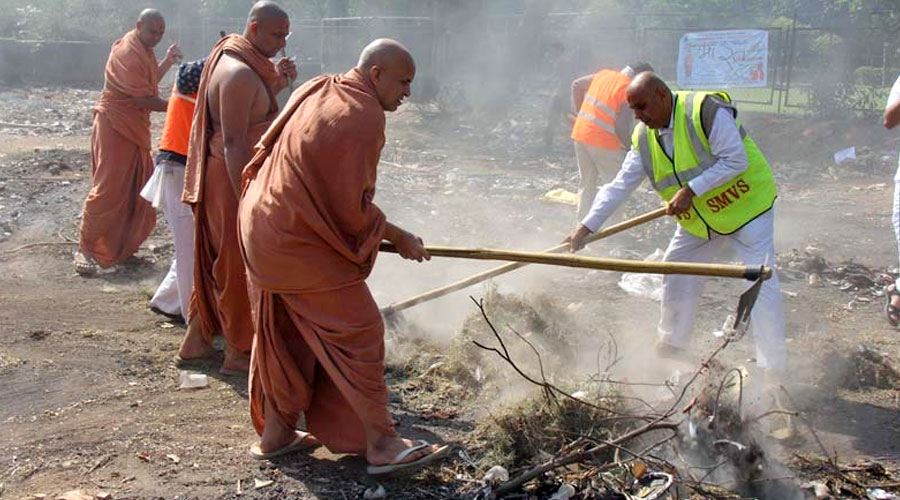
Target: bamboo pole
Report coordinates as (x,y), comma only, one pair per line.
(497,271)
(621,265)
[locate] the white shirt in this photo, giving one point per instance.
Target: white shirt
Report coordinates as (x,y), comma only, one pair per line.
(726,146)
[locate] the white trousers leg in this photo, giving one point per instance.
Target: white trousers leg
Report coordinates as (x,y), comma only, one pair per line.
(176,286)
(596,166)
(895,219)
(755,245)
(587,179)
(681,292)
(166,297)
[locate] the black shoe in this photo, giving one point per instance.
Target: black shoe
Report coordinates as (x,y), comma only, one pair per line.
(174,318)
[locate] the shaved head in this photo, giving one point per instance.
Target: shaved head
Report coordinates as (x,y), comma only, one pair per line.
(650,99)
(268,27)
(264,11)
(384,52)
(391,69)
(150,15)
(150,26)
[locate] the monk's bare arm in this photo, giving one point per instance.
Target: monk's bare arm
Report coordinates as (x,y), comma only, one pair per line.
(153,103)
(409,246)
(237,89)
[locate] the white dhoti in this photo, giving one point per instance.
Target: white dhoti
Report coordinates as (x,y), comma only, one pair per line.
(164,190)
(596,166)
(755,245)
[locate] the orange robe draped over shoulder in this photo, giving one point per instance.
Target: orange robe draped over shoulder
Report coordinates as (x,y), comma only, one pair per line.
(310,232)
(220,283)
(116,220)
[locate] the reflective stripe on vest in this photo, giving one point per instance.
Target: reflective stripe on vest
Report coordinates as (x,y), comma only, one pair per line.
(596,119)
(723,209)
(192,100)
(700,150)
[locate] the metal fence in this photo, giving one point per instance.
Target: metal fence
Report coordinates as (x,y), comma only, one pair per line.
(812,59)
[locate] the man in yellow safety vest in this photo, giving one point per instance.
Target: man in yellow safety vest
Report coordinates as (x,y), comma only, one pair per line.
(721,191)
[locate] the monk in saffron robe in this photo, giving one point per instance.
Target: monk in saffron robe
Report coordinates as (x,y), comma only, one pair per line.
(115,219)
(310,233)
(235,105)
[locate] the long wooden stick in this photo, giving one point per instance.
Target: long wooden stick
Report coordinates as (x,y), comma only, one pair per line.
(497,271)
(622,265)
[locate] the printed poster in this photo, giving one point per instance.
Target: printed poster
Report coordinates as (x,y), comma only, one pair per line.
(721,59)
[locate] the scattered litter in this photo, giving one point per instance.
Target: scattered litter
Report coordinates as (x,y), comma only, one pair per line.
(496,475)
(560,195)
(819,489)
(574,306)
(644,285)
(564,492)
(880,494)
(173,457)
(189,380)
(864,283)
(104,495)
(653,486)
(75,495)
(638,469)
(262,483)
(782,434)
(375,493)
(845,154)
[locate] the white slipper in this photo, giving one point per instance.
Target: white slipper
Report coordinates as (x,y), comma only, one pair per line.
(398,464)
(298,444)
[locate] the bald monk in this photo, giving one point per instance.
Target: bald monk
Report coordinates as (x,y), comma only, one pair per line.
(310,233)
(115,219)
(235,105)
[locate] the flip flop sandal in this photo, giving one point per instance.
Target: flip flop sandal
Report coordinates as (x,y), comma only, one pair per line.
(891,311)
(298,444)
(398,464)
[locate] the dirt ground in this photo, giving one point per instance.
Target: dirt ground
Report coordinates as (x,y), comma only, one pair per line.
(89,396)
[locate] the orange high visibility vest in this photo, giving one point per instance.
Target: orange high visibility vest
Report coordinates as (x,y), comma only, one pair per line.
(177,129)
(596,122)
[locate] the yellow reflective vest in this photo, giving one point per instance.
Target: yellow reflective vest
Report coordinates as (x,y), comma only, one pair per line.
(723,209)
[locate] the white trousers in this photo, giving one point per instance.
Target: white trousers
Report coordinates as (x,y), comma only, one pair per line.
(174,293)
(596,166)
(755,245)
(895,219)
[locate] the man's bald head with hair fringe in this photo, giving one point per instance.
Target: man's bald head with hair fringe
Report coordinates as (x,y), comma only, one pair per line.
(650,99)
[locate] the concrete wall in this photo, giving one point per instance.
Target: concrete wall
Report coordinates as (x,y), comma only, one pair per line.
(52,62)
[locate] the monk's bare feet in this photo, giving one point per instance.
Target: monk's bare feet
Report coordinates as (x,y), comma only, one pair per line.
(236,362)
(386,449)
(272,442)
(194,346)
